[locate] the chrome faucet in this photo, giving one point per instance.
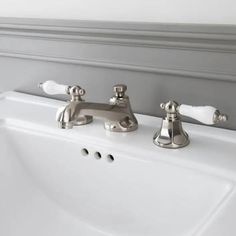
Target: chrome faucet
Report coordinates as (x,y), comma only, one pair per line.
(117,114)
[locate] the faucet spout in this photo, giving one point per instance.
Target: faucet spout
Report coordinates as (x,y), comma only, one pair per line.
(101,110)
(117,118)
(117,114)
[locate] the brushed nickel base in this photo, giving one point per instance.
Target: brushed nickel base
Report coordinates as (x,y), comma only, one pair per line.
(82,120)
(171,135)
(125,125)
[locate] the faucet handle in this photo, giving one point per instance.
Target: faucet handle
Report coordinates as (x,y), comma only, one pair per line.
(208,115)
(120,90)
(53,88)
(172,134)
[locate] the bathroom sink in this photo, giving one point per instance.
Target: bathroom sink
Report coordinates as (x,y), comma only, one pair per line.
(88,181)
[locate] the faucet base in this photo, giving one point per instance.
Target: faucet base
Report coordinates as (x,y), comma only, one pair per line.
(171,135)
(125,125)
(82,120)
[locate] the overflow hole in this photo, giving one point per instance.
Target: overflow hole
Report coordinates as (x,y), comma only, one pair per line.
(110,158)
(84,152)
(97,155)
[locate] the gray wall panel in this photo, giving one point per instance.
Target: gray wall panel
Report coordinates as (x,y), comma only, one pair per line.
(192,64)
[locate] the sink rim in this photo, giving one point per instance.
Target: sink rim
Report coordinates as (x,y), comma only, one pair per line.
(200,135)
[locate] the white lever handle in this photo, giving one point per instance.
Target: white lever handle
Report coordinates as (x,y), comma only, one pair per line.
(51,87)
(206,114)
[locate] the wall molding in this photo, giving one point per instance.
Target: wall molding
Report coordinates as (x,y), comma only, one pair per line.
(220,38)
(136,68)
(172,37)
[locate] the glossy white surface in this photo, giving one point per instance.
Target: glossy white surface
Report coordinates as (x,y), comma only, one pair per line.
(51,87)
(204,114)
(47,187)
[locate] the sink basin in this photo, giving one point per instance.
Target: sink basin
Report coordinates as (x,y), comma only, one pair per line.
(88,181)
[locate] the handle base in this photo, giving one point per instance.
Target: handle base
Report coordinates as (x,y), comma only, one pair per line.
(171,135)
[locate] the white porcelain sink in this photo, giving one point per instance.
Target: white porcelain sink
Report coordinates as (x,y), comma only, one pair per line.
(49,188)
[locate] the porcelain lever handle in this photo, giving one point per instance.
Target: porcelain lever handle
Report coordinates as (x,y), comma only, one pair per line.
(52,88)
(206,114)
(172,135)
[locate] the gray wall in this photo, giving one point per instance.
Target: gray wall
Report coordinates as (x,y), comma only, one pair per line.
(192,64)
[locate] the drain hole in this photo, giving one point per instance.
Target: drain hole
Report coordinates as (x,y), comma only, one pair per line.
(84,152)
(97,155)
(110,158)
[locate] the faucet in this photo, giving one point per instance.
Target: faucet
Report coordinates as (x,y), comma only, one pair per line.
(117,114)
(171,134)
